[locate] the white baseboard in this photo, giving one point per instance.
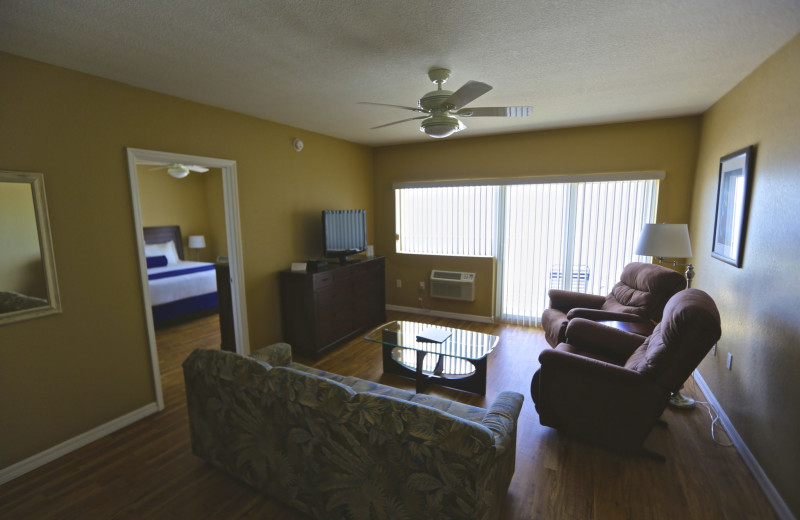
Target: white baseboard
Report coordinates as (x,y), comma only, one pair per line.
(441,314)
(749,459)
(70,445)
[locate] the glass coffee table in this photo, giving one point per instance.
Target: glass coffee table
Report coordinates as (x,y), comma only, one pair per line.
(457,357)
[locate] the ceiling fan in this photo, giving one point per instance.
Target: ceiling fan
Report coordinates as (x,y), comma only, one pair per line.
(442,108)
(177,170)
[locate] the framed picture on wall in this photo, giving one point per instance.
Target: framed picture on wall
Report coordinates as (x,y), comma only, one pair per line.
(733,200)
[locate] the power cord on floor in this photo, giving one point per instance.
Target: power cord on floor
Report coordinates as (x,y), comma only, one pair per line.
(714,416)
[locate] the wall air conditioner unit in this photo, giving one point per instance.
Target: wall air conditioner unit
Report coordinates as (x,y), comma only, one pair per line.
(453,286)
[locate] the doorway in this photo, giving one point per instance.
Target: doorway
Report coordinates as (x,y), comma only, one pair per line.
(233,233)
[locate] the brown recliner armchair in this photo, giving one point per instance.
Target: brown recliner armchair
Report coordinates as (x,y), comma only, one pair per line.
(609,387)
(639,296)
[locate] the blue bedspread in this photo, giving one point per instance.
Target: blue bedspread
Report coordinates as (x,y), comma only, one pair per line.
(179,272)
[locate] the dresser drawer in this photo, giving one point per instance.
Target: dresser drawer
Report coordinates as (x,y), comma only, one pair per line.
(322,281)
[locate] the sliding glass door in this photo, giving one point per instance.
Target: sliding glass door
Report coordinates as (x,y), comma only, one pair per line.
(575,236)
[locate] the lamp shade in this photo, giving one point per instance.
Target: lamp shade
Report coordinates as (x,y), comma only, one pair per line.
(197,241)
(665,241)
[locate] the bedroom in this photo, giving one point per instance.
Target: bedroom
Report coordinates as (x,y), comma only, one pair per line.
(195,204)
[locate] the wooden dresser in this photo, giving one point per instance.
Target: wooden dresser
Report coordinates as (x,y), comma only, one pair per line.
(320,309)
(226,328)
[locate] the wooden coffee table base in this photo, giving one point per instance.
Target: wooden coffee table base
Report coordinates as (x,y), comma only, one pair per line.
(474,382)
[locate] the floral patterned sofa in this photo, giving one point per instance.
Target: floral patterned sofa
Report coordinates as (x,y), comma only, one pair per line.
(341,447)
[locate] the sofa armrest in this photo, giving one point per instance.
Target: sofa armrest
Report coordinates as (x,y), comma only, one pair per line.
(601,315)
(501,419)
(566,300)
(600,339)
(276,355)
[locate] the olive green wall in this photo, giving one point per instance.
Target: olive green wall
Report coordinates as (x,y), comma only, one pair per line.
(759,303)
(21,259)
(195,203)
(63,375)
(668,145)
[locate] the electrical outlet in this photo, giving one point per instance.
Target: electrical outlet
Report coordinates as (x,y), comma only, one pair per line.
(714,350)
(730,360)
(399,283)
(422,286)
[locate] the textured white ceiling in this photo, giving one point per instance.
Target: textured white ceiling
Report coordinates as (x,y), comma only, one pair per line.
(307,63)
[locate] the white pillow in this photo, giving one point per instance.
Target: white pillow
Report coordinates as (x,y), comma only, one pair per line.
(163,249)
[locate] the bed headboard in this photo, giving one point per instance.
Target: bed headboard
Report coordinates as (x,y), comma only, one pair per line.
(157,234)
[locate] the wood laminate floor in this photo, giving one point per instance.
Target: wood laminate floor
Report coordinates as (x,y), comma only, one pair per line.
(147,470)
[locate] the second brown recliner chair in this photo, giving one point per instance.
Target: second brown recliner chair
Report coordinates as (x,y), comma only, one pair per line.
(639,296)
(610,387)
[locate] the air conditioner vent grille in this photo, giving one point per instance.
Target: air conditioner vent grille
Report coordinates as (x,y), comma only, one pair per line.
(453,285)
(446,275)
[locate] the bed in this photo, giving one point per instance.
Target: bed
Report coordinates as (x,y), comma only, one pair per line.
(179,290)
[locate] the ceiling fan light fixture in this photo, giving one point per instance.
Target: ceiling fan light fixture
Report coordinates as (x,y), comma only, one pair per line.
(441,126)
(178,171)
(439,130)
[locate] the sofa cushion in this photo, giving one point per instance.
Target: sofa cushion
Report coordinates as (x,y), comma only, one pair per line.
(464,411)
(358,385)
(317,372)
(418,425)
(319,393)
(362,386)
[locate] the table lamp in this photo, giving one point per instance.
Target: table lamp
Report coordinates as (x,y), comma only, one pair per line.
(197,242)
(667,241)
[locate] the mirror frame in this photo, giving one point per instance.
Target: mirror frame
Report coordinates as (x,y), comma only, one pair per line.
(36,181)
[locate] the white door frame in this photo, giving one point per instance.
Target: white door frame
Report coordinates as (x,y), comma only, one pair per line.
(232,227)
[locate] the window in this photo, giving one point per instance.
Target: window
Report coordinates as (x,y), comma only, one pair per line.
(459,221)
(546,235)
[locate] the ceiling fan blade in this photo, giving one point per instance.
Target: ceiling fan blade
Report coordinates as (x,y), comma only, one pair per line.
(401,121)
(515,111)
(413,109)
(196,168)
(469,92)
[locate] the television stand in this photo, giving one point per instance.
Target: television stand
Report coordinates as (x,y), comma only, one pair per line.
(321,309)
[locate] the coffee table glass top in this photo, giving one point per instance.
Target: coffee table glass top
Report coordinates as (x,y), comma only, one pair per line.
(463,344)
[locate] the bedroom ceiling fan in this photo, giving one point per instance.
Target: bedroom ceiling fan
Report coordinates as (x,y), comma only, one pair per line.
(442,108)
(179,171)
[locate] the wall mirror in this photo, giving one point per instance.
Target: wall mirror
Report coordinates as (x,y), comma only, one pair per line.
(28,285)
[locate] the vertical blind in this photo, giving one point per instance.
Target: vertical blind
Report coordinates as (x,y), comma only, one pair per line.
(458,221)
(566,235)
(575,237)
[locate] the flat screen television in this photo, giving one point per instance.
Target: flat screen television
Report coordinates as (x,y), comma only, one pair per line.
(344,232)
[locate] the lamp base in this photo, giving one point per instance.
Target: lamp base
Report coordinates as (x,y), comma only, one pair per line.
(680,401)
